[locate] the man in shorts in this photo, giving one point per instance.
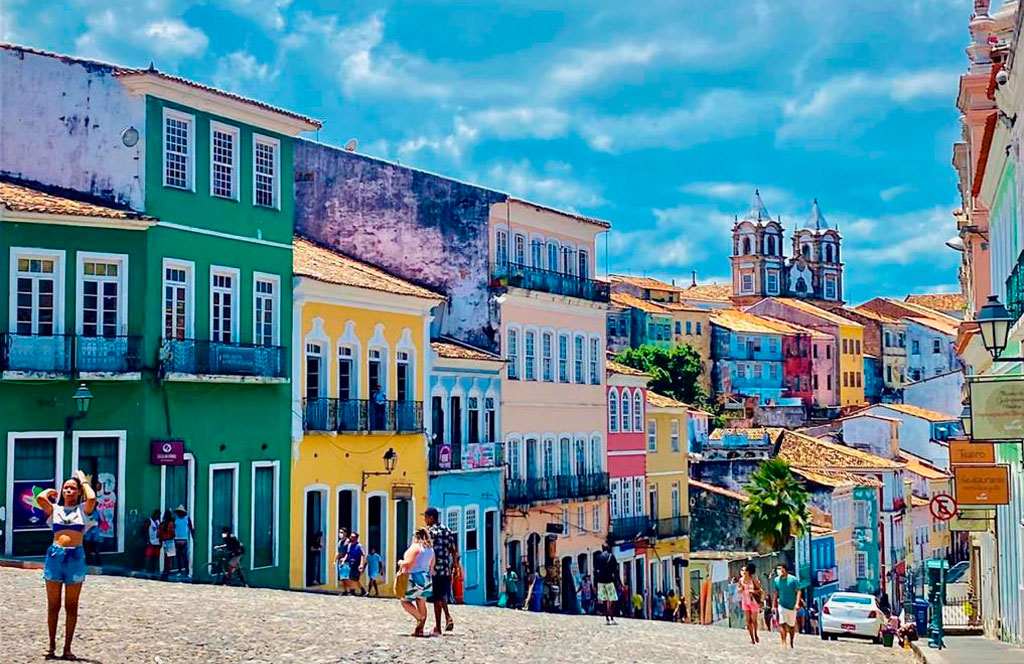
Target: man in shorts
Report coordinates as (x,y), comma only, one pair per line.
(787,599)
(606,573)
(446,559)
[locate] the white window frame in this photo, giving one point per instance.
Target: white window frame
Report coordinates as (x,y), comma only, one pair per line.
(613,410)
(236,148)
(276,465)
(275,280)
(233,467)
(579,359)
(122,288)
(267,140)
(58,257)
(190,294)
(548,375)
(122,449)
(58,473)
(235,275)
(530,359)
(652,435)
(626,412)
(512,355)
(190,176)
(638,411)
(613,497)
(673,435)
(594,359)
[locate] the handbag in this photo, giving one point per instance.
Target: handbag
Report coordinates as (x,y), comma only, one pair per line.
(343,571)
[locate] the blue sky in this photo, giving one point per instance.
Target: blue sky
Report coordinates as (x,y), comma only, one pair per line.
(660,117)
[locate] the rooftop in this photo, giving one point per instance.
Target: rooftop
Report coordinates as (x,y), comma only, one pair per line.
(714,292)
(815,454)
(916,411)
(874,315)
(947,327)
(611,366)
(833,478)
(317,262)
(632,302)
(919,466)
(31,197)
(816,222)
(741,321)
(643,282)
(814,310)
(575,215)
(662,401)
(941,302)
(750,433)
(742,497)
(456,350)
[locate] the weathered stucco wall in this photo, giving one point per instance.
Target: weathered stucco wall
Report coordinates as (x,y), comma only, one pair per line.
(62,124)
(420,226)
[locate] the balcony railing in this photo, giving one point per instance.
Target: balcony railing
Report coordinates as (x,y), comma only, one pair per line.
(548,281)
(631,527)
(189,356)
(1015,289)
(65,353)
(465,456)
(520,491)
(351,415)
(674,526)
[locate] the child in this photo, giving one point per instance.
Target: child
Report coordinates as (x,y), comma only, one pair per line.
(373,570)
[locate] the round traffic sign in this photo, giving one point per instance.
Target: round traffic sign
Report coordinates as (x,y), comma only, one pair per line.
(943,507)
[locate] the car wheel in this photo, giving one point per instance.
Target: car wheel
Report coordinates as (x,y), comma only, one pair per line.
(824,636)
(877,640)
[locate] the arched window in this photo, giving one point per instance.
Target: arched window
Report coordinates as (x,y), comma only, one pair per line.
(746,246)
(613,411)
(770,245)
(549,458)
(514,469)
(596,457)
(501,251)
(580,467)
(638,412)
(806,251)
(626,422)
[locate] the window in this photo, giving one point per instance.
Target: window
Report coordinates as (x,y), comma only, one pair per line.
(757,369)
(613,497)
(546,360)
(828,352)
(674,435)
(888,373)
(856,349)
(581,519)
(346,377)
(859,379)
(689,328)
(747,283)
(584,262)
(490,420)
(773,281)
(565,520)
(567,259)
(613,411)
(472,539)
(862,565)
(675,499)
(405,387)
(612,326)
(519,255)
(698,329)
(828,382)
(915,347)
(773,345)
(265,154)
(596,520)
(223,500)
(265,310)
(652,501)
(223,161)
(549,457)
(177,288)
(638,412)
(595,347)
(638,495)
(552,257)
(564,456)
(530,370)
(652,436)
(314,378)
(626,418)
(888,339)
(536,253)
(830,288)
(512,354)
(578,357)
(455,413)
(101,291)
(936,346)
(814,351)
(563,358)
(453,522)
(264,513)
(501,250)
(179,155)
(775,372)
(38,306)
(223,311)
(846,348)
(596,458)
(846,379)
(679,327)
(513,459)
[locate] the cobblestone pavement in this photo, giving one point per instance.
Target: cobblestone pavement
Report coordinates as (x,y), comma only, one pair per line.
(132,620)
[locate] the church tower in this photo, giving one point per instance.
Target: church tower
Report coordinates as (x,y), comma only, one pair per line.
(758,265)
(815,270)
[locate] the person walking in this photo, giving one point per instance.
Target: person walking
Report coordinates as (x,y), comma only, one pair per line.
(787,597)
(374,564)
(418,566)
(339,560)
(751,595)
(606,573)
(672,606)
(183,531)
(153,543)
(446,559)
(64,569)
(511,584)
(355,560)
(587,595)
(165,533)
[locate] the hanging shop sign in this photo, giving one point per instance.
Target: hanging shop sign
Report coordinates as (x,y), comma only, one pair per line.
(982,485)
(997,410)
(167,452)
(964,451)
(973,521)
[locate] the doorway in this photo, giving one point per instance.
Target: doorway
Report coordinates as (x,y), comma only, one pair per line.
(492,573)
(316,567)
(375,526)
(403,525)
(178,487)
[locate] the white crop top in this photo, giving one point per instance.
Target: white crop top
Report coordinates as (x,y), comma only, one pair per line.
(63,518)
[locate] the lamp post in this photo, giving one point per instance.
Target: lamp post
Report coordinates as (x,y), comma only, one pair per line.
(390,461)
(994,322)
(82,399)
(965,420)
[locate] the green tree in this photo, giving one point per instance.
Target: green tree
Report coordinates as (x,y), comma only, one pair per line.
(777,509)
(674,371)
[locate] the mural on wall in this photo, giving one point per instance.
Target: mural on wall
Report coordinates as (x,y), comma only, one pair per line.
(422,227)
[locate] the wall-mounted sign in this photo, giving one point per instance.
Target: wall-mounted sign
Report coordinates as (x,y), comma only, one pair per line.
(401,491)
(942,507)
(964,451)
(167,452)
(982,485)
(973,521)
(997,410)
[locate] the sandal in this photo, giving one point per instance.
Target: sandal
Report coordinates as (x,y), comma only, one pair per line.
(419,628)
(450,625)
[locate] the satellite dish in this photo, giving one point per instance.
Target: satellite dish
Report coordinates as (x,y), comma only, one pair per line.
(351,145)
(130,136)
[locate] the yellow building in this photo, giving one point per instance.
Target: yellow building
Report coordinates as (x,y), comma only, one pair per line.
(668,495)
(931,536)
(359,453)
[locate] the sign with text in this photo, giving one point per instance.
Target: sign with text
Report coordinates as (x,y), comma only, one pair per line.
(973,521)
(997,409)
(982,485)
(167,452)
(964,451)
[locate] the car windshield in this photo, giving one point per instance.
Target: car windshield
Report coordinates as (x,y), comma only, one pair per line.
(852,599)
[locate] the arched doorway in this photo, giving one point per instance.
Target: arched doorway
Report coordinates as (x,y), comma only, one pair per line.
(570,600)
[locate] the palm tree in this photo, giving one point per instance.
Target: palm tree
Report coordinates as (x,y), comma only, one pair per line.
(777,509)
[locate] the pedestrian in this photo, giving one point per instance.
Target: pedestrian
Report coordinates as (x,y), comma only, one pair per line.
(812,615)
(606,573)
(659,606)
(787,597)
(801,617)
(64,569)
(316,549)
(511,584)
(339,559)
(355,560)
(153,543)
(751,595)
(672,606)
(380,402)
(374,566)
(166,534)
(418,566)
(183,531)
(232,550)
(587,595)
(446,559)
(883,604)
(536,597)
(638,605)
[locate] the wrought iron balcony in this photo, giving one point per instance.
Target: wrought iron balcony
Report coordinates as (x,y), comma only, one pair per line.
(675,526)
(631,527)
(465,456)
(36,353)
(548,281)
(520,491)
(216,358)
(354,415)
(108,354)
(1015,289)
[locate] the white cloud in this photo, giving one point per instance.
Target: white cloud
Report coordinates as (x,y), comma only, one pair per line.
(555,185)
(107,36)
(737,193)
(174,37)
(892,192)
(521,121)
(238,70)
(582,67)
(908,238)
(451,145)
(268,13)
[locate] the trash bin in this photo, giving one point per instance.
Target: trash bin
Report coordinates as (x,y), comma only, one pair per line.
(921,607)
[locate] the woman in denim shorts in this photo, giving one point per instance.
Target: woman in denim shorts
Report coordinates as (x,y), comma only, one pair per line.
(68,514)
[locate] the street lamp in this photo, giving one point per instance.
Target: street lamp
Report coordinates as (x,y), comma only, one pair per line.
(994,321)
(965,419)
(390,461)
(83,397)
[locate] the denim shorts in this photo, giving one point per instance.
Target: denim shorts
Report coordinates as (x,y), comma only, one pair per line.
(64,565)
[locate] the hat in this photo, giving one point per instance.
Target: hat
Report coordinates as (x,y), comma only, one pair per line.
(181,508)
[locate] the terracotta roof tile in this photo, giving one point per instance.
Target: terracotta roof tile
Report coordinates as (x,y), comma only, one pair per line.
(456,350)
(31,197)
(743,322)
(662,401)
(644,282)
(749,433)
(875,315)
(815,454)
(721,292)
(941,302)
(630,301)
(814,310)
(617,367)
(742,497)
(917,501)
(915,411)
(316,262)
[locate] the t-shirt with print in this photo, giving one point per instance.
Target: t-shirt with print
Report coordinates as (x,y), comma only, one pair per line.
(443,538)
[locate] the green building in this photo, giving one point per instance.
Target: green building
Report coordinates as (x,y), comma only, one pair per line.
(169,298)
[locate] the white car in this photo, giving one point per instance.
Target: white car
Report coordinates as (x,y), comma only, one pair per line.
(851,614)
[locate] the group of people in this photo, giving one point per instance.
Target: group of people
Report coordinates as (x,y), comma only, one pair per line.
(167,538)
(351,562)
(425,574)
(782,604)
